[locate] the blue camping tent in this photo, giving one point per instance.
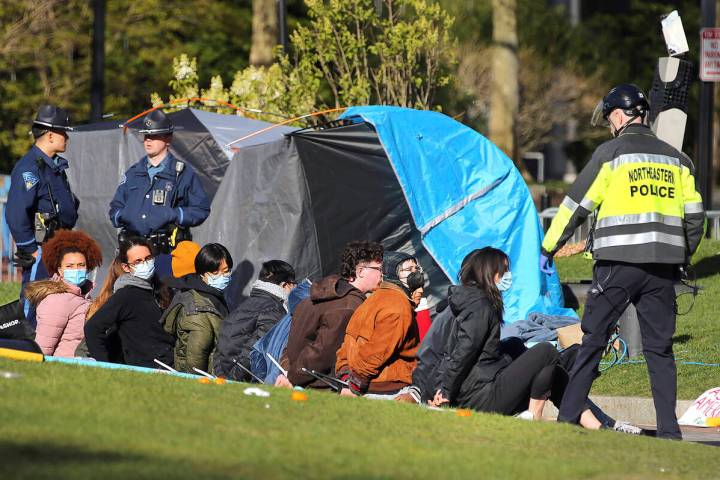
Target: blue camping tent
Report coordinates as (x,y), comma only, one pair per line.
(465,193)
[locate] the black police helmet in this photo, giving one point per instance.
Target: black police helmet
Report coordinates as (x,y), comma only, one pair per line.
(50,117)
(156,123)
(627,97)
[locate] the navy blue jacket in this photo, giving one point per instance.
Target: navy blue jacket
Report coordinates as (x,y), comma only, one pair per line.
(184,204)
(29,194)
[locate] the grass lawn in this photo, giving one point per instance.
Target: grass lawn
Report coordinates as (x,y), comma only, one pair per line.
(64,421)
(697,338)
(9,291)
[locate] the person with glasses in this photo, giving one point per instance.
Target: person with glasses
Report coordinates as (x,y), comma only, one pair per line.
(254,317)
(199,308)
(377,356)
(134,310)
(318,322)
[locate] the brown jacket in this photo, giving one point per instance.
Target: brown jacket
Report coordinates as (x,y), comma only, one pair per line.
(381,341)
(317,329)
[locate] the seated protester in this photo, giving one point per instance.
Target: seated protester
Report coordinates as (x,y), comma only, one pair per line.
(198,308)
(250,321)
(113,339)
(134,308)
(62,302)
(318,323)
(183,258)
(475,369)
(377,356)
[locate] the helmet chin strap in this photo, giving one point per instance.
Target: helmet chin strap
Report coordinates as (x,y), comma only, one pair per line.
(618,131)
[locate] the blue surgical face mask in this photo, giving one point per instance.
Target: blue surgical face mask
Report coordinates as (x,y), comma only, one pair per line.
(75,276)
(505,282)
(218,281)
(145,270)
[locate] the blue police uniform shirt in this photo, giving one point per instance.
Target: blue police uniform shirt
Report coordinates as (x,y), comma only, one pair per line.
(145,205)
(29,194)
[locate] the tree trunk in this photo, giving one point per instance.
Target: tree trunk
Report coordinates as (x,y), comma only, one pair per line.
(504,91)
(264,32)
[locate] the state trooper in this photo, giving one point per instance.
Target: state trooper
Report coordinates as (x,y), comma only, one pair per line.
(650,220)
(40,200)
(159,197)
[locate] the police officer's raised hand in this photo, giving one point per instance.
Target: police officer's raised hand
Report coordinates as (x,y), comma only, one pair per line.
(546,264)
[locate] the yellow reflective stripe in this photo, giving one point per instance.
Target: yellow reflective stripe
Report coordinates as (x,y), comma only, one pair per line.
(598,189)
(562,218)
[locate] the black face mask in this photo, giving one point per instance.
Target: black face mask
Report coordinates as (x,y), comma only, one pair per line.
(415,280)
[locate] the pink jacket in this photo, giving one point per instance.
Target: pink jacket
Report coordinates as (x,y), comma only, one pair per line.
(61,310)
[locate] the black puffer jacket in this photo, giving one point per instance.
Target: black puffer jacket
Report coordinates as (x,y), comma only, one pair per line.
(472,355)
(243,327)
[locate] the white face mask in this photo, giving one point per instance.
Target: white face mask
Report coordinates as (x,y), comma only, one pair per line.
(145,270)
(505,282)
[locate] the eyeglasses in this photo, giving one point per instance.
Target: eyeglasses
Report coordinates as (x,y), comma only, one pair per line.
(379,269)
(140,260)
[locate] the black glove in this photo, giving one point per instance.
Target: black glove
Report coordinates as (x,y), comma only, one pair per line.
(24,259)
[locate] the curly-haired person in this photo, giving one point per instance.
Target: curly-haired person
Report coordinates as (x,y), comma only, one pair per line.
(62,301)
(318,323)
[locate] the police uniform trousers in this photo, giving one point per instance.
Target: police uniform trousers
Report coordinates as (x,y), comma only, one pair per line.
(650,287)
(31,274)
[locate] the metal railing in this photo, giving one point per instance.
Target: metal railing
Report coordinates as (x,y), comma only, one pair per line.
(8,269)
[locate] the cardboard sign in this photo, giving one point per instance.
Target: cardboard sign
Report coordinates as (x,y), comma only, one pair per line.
(706,407)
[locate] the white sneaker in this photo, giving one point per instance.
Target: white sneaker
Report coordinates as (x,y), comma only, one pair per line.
(625,427)
(526,415)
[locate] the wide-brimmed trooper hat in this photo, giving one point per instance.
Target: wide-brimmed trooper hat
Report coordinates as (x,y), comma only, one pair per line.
(50,117)
(156,123)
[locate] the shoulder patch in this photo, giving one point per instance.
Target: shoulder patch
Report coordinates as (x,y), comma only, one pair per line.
(123,179)
(30,180)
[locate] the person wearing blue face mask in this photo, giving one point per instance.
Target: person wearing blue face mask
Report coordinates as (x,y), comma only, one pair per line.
(133,310)
(62,301)
(475,372)
(198,309)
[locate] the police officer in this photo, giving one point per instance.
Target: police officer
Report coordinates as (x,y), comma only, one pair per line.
(40,200)
(159,197)
(650,220)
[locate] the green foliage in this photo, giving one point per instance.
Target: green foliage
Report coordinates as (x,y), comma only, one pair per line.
(99,423)
(347,54)
(45,55)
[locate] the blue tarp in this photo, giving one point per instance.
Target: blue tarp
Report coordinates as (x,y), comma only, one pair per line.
(465,193)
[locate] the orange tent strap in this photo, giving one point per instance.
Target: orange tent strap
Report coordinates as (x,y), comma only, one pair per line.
(285,122)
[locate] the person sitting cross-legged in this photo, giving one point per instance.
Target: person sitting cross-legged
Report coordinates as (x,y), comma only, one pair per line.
(377,356)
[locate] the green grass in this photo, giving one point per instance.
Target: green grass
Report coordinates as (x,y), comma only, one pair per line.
(64,421)
(9,291)
(697,336)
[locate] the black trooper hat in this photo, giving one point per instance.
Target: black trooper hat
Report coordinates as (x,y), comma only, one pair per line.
(50,117)
(156,123)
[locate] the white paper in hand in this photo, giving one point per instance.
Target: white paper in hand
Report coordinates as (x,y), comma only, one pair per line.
(674,34)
